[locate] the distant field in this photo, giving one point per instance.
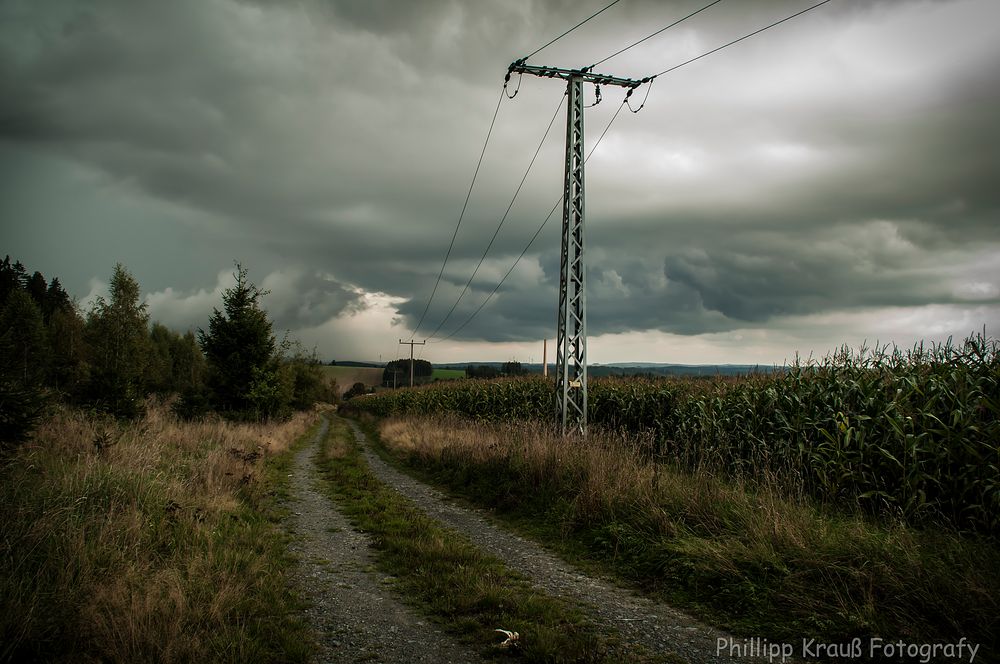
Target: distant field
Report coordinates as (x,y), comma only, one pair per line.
(347,376)
(448,374)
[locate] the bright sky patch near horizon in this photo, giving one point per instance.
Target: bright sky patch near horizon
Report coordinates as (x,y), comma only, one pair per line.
(831,181)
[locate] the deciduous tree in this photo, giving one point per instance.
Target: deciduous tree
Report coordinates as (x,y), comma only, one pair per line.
(119,342)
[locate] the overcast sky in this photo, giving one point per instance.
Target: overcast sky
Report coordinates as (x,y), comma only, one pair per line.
(830,181)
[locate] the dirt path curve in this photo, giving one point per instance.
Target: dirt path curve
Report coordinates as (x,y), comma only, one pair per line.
(354,612)
(658,627)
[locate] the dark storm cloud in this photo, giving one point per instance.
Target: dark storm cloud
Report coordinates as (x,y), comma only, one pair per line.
(296,300)
(388,16)
(844,162)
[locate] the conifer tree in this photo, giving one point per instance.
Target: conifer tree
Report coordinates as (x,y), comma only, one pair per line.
(25,347)
(24,360)
(12,277)
(188,363)
(37,288)
(70,368)
(56,299)
(160,368)
(240,351)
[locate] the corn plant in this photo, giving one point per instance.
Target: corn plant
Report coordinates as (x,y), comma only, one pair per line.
(912,434)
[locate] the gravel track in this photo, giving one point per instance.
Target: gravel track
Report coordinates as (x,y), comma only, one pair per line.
(354,612)
(656,626)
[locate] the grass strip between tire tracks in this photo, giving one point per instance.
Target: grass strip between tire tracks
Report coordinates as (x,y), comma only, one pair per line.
(467,591)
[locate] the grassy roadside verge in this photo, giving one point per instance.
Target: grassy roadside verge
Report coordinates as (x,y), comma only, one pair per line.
(467,591)
(154,541)
(749,560)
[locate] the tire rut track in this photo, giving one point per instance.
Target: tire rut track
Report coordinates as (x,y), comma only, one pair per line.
(355,614)
(658,627)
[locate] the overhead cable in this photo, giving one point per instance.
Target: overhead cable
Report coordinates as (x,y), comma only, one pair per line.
(502,220)
(664,29)
(531,241)
(736,41)
(546,45)
(462,215)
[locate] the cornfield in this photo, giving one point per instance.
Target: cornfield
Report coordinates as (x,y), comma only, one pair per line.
(912,434)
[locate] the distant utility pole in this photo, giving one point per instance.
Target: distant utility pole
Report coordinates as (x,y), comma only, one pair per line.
(411,343)
(571,341)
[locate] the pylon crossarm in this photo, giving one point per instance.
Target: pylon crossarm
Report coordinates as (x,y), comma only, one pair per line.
(518,67)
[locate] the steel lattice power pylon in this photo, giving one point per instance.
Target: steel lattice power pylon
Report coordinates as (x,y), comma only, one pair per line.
(571,330)
(571,335)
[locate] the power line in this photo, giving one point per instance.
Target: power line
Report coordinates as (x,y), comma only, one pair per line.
(546,45)
(462,215)
(503,92)
(736,41)
(532,240)
(681,20)
(648,79)
(502,220)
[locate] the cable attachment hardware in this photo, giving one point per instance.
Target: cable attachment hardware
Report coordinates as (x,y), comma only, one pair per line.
(648,80)
(597,96)
(506,80)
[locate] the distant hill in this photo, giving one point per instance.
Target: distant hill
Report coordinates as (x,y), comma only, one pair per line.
(617,369)
(642,368)
(679,369)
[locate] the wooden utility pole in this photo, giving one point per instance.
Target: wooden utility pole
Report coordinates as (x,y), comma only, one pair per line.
(545,358)
(411,343)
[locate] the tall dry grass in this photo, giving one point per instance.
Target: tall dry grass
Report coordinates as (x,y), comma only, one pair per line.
(744,551)
(891,432)
(143,541)
(604,473)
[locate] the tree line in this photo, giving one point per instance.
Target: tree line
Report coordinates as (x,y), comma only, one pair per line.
(397,373)
(111,357)
(511,368)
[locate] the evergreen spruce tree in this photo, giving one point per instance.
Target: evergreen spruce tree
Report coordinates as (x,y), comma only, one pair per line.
(241,355)
(37,288)
(13,276)
(160,369)
(24,359)
(188,363)
(26,351)
(56,299)
(70,369)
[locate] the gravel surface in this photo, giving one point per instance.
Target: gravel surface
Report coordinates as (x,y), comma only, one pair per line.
(660,628)
(354,612)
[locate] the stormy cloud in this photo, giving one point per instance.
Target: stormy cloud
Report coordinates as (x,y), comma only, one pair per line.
(800,188)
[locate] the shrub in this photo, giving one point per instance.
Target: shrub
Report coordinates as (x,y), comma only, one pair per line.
(355,390)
